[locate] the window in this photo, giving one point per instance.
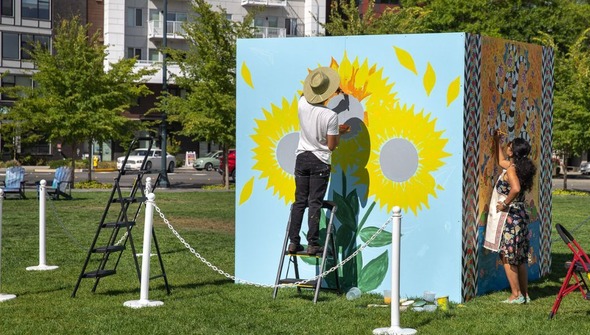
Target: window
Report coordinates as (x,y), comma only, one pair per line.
(14,80)
(291,27)
(154,15)
(7,8)
(134,52)
(35,9)
(10,46)
(28,41)
(273,21)
(173,16)
(134,17)
(153,55)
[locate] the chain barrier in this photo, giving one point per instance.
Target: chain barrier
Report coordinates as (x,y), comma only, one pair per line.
(61,224)
(229,276)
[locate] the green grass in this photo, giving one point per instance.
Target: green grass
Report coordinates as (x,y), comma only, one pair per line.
(204,302)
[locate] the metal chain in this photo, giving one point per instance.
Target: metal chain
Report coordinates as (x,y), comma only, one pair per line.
(61,224)
(229,276)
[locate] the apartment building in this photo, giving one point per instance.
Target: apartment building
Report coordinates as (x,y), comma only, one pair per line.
(135,28)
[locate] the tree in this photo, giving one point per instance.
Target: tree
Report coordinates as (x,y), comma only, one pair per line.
(75,99)
(345,19)
(208,76)
(571,117)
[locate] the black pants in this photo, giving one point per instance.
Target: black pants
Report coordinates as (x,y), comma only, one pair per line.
(311,181)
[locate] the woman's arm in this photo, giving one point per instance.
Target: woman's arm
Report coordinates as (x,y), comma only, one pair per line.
(500,152)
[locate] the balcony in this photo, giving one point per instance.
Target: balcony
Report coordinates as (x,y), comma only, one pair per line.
(265,3)
(156,78)
(156,29)
(270,32)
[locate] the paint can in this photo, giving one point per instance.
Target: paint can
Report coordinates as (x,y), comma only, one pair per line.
(443,303)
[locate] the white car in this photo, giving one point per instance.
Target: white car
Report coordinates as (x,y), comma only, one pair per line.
(154,160)
(585,167)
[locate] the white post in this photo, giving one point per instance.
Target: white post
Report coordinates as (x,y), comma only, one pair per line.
(148,185)
(3,297)
(42,198)
(145,261)
(395,260)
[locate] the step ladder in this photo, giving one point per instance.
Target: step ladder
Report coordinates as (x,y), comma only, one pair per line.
(114,231)
(321,261)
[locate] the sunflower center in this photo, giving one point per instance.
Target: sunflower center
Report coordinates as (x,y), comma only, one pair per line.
(398,159)
(286,152)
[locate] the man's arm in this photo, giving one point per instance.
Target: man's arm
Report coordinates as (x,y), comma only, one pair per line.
(333,141)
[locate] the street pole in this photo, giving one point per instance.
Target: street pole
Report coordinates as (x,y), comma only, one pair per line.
(164,166)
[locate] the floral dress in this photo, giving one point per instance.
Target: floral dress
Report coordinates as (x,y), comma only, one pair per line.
(515,242)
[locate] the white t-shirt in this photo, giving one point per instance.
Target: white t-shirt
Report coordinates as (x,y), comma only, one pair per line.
(316,122)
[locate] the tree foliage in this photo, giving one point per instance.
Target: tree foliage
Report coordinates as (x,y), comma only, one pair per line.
(75,100)
(207,110)
(560,24)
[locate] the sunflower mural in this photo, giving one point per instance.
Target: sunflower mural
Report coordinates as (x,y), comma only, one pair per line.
(387,159)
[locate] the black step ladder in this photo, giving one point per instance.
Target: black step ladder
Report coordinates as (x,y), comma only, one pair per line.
(330,254)
(116,225)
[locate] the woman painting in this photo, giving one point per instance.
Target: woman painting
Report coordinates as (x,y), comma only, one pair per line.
(516,180)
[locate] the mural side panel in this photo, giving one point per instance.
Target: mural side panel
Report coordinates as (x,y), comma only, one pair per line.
(512,101)
(471,131)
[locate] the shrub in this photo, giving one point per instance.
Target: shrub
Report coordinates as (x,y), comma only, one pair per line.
(93,184)
(80,163)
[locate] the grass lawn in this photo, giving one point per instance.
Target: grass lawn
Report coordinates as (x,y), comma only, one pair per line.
(205,302)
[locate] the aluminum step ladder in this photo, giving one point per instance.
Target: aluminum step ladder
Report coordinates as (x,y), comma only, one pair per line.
(329,255)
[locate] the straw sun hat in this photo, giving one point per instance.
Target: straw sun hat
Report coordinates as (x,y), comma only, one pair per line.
(320,84)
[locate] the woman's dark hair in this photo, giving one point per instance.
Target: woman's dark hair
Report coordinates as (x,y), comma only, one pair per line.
(525,169)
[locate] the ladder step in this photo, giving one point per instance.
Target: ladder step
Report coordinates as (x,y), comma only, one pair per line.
(130,199)
(118,224)
(99,273)
(304,254)
(310,284)
(109,248)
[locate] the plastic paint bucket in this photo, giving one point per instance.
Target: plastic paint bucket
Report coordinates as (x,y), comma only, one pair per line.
(443,303)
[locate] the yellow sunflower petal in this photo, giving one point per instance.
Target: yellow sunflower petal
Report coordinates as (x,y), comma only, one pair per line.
(405,59)
(247,191)
(246,75)
(453,90)
(429,79)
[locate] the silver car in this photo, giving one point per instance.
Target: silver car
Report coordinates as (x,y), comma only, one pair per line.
(585,167)
(154,160)
(208,162)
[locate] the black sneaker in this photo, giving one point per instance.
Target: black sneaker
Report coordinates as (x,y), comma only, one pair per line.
(314,249)
(294,248)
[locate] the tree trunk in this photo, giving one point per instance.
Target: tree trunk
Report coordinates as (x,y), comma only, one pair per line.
(90,160)
(564,169)
(225,168)
(73,164)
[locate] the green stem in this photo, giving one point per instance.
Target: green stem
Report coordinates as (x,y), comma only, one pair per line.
(366,216)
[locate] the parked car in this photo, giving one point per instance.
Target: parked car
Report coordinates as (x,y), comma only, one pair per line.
(231,164)
(208,162)
(154,160)
(585,167)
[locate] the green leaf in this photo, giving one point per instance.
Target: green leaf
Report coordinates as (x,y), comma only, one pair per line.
(353,200)
(383,239)
(344,213)
(373,273)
